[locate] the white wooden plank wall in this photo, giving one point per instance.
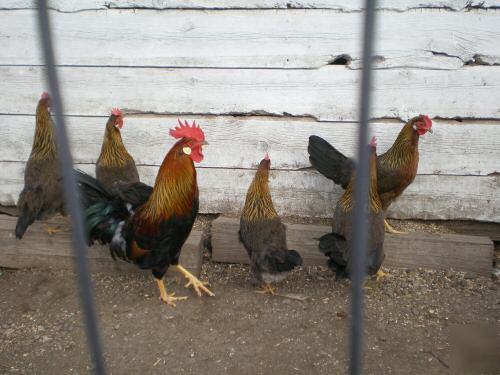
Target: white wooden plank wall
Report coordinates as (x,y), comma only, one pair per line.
(260,75)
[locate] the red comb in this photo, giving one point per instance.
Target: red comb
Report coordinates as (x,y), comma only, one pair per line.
(373,142)
(116,112)
(427,120)
(45,95)
(266,156)
(186,131)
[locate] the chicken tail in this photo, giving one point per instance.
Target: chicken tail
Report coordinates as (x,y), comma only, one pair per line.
(103,211)
(23,222)
(330,162)
(291,260)
(91,191)
(335,247)
(29,205)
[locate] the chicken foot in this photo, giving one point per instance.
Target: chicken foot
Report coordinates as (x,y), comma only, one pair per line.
(381,275)
(53,230)
(390,229)
(193,281)
(267,288)
(164,296)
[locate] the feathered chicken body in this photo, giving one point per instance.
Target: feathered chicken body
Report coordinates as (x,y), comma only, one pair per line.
(264,235)
(396,168)
(115,166)
(337,245)
(42,195)
(148,226)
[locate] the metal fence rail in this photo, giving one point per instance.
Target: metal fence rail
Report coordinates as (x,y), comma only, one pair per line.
(76,214)
(360,234)
(70,194)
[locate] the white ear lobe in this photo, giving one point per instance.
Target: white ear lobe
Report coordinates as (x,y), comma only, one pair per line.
(414,127)
(186,150)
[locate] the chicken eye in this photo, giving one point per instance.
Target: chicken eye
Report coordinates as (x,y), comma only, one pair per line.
(186,150)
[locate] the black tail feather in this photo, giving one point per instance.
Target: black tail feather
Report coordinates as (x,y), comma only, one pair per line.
(328,161)
(335,247)
(103,210)
(23,222)
(91,191)
(292,260)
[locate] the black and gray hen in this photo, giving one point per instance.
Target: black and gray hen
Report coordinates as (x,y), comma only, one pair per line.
(337,245)
(264,235)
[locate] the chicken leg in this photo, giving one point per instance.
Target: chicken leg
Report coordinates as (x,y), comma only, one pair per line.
(390,229)
(267,288)
(193,281)
(164,296)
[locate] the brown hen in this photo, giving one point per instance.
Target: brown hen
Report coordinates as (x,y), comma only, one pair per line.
(396,168)
(115,166)
(42,195)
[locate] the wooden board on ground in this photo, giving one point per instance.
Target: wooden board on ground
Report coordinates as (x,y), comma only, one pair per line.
(435,251)
(39,250)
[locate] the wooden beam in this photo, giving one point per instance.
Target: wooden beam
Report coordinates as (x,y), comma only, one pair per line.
(327,94)
(199,39)
(413,250)
(307,193)
(39,250)
(474,228)
(341,5)
(442,153)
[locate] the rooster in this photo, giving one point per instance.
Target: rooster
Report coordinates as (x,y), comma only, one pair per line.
(264,235)
(115,166)
(337,245)
(42,196)
(148,226)
(397,167)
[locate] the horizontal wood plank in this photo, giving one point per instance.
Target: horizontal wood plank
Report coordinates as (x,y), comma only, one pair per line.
(330,93)
(343,5)
(413,250)
(306,193)
(39,250)
(283,39)
(241,142)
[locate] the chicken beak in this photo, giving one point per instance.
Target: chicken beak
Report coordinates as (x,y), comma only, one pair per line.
(429,130)
(204,143)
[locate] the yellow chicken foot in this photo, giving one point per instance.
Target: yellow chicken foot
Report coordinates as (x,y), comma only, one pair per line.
(164,296)
(381,275)
(53,230)
(267,288)
(193,281)
(390,229)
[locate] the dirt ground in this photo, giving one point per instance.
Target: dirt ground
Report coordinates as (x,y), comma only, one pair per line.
(409,321)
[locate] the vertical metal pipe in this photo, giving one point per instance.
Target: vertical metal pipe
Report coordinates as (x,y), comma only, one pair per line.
(361,199)
(70,194)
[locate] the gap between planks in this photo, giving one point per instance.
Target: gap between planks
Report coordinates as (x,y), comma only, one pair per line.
(413,250)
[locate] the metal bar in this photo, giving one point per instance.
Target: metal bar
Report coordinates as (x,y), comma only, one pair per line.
(361,198)
(70,194)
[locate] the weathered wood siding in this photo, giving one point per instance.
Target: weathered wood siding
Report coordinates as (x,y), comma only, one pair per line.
(260,75)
